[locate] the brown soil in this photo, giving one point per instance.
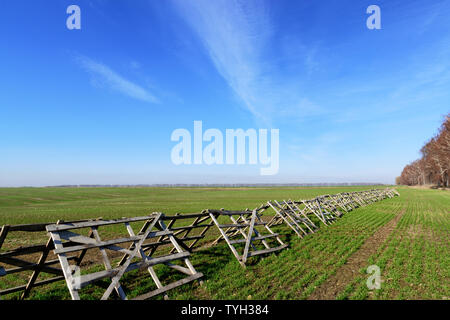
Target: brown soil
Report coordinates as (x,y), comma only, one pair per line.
(429,186)
(329,289)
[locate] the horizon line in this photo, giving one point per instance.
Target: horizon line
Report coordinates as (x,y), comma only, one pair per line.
(323,184)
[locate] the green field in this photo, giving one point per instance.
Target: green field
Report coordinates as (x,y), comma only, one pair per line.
(407,237)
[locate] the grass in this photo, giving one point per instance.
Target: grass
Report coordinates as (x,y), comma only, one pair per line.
(414,258)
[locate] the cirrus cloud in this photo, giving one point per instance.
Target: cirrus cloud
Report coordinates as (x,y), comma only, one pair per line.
(104,74)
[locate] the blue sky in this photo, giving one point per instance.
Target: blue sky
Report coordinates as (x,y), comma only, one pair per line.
(98,105)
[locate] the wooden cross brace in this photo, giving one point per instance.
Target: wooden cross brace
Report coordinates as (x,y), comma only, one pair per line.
(245,226)
(21,265)
(135,250)
(289,213)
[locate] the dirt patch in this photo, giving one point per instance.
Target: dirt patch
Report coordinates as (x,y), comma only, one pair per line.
(347,272)
(429,186)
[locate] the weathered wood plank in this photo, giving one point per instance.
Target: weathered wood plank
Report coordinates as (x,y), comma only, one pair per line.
(145,258)
(249,238)
(256,231)
(255,238)
(36,284)
(231,213)
(87,279)
(107,263)
(178,247)
(265,251)
(33,265)
(65,266)
(26,265)
(225,237)
(240,225)
(124,267)
(281,214)
(88,224)
(38,227)
(22,251)
(3,234)
(190,227)
(234,232)
(110,243)
(175,284)
(38,269)
(184,216)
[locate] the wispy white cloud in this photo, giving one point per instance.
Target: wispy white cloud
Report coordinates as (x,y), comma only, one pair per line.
(104,75)
(236,35)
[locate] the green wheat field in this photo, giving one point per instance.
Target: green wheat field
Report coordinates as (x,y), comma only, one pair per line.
(407,237)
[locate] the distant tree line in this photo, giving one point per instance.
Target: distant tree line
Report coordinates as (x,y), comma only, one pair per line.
(231,185)
(434,165)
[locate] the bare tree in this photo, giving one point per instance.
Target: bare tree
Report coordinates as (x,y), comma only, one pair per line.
(434,165)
